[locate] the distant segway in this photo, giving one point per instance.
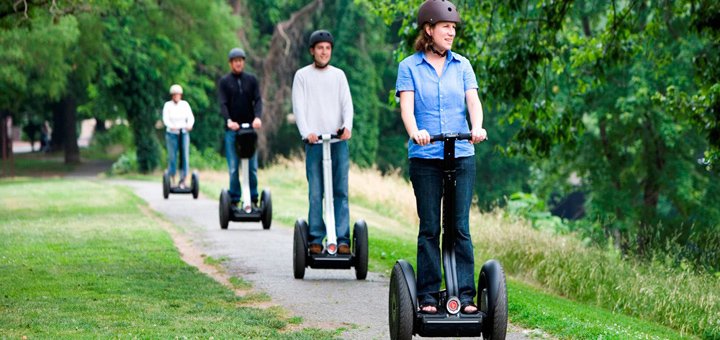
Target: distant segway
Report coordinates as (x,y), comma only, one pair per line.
(194,187)
(245,144)
(329,258)
(405,318)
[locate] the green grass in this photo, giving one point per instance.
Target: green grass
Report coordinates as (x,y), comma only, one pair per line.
(527,255)
(79,259)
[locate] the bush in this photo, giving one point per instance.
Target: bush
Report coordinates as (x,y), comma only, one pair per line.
(111,143)
(127,163)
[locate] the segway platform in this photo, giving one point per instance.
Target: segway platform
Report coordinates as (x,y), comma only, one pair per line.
(231,212)
(193,189)
(358,257)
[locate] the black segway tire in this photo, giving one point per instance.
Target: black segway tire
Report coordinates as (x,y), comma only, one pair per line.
(224,209)
(400,306)
(360,251)
(195,183)
(166,185)
(300,249)
(492,298)
(266,212)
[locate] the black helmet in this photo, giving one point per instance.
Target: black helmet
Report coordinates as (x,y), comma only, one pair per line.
(434,11)
(236,53)
(321,36)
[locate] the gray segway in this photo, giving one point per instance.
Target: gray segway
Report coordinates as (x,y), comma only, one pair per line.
(168,188)
(245,144)
(405,318)
(329,258)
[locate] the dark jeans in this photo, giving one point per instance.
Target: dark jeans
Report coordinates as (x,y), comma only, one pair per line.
(340,168)
(233,162)
(427,176)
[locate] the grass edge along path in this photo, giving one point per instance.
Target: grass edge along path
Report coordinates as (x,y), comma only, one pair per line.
(80,259)
(391,239)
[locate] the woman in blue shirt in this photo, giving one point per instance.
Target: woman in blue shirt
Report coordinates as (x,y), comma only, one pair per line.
(435,87)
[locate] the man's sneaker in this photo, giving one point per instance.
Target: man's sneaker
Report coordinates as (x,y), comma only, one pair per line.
(315,248)
(344,249)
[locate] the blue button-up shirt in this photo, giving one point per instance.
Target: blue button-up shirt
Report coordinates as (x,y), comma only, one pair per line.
(439,101)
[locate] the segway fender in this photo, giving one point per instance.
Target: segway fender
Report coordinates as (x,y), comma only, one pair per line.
(409,275)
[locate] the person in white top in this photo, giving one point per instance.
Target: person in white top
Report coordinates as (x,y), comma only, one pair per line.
(179,120)
(322,104)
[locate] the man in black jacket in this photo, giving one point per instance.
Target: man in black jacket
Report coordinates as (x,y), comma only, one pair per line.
(240,103)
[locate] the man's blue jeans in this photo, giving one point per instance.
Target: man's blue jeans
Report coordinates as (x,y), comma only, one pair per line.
(314,170)
(233,162)
(172,140)
(427,177)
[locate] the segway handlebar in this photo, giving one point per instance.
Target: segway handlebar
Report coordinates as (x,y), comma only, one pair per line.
(245,128)
(332,136)
(441,137)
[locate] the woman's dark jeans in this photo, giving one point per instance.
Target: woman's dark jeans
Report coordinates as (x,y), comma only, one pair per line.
(427,177)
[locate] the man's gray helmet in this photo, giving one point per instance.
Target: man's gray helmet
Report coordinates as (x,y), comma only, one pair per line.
(236,53)
(321,36)
(434,11)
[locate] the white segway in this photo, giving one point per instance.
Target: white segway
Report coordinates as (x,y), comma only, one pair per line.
(168,188)
(245,143)
(329,258)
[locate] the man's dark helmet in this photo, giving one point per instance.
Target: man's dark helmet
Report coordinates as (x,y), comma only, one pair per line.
(236,53)
(321,36)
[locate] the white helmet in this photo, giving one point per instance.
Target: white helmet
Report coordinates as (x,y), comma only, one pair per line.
(176,89)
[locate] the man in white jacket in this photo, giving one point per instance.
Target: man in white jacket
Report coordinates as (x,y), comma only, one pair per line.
(322,104)
(178,118)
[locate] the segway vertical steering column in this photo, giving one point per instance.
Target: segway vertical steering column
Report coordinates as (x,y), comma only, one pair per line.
(328,200)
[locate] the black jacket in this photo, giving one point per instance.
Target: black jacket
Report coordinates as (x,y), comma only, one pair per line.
(239,96)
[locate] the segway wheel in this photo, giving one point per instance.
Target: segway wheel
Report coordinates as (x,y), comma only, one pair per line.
(266,212)
(492,298)
(360,251)
(224,209)
(166,185)
(195,185)
(300,249)
(400,306)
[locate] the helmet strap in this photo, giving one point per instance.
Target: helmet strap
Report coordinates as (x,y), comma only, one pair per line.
(443,54)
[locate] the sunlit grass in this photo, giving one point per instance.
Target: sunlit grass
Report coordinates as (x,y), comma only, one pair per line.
(79,259)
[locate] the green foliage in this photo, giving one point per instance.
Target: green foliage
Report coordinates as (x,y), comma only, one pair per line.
(126,164)
(529,207)
(622,94)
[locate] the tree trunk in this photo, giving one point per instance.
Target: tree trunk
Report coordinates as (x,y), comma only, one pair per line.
(68,107)
(100,125)
(57,140)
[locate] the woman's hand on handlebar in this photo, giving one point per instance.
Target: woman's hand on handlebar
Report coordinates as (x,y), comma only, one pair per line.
(312,138)
(478,135)
(257,123)
(421,137)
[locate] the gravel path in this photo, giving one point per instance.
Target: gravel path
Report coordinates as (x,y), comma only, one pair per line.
(325,298)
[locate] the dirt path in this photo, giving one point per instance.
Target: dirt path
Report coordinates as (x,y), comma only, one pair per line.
(325,298)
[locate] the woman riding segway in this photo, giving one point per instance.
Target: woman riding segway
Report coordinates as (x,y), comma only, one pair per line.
(436,86)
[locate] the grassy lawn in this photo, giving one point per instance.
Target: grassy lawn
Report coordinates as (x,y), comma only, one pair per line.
(393,234)
(80,259)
